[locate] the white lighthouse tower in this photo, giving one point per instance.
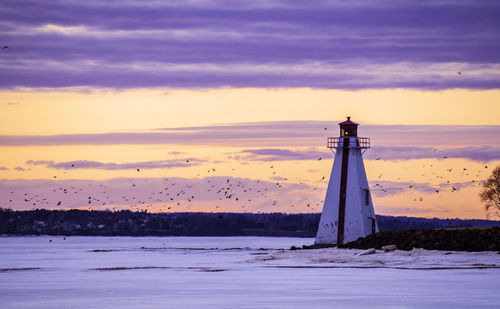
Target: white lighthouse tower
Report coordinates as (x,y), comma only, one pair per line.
(348,210)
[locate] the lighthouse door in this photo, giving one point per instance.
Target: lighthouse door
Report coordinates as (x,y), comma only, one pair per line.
(373,225)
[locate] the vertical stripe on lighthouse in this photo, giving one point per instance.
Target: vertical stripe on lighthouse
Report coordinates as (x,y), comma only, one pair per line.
(343,186)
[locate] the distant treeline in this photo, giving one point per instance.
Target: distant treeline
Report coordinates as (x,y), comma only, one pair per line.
(128,223)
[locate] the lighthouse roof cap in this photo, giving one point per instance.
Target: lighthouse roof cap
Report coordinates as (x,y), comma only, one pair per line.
(348,122)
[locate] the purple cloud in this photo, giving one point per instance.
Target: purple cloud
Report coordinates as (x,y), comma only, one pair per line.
(481,154)
(407,210)
(19,168)
(2,168)
(385,138)
(219,193)
(176,153)
(380,188)
(273,154)
(329,44)
(83,164)
(180,194)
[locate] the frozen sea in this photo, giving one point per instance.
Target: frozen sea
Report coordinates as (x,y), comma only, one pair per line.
(236,272)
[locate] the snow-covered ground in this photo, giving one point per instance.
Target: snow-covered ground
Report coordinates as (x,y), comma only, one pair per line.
(236,272)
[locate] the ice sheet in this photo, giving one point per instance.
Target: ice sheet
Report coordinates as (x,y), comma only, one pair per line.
(236,272)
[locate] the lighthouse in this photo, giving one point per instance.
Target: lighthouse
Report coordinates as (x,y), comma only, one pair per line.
(348,210)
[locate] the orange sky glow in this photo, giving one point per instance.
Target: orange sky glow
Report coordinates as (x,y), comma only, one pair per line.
(266,140)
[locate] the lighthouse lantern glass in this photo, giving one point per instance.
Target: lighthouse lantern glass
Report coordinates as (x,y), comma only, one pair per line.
(348,131)
(348,128)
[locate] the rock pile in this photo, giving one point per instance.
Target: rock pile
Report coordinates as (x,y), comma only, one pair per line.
(468,239)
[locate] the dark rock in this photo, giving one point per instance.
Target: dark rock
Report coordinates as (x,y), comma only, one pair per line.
(467,239)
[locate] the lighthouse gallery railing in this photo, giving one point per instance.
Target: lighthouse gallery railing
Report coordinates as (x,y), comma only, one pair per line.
(333,142)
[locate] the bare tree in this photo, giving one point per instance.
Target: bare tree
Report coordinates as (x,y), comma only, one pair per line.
(490,194)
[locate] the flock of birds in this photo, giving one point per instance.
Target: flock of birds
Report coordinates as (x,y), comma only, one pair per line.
(174,194)
(443,185)
(163,194)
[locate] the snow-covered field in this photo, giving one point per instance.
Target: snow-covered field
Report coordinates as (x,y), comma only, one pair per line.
(236,272)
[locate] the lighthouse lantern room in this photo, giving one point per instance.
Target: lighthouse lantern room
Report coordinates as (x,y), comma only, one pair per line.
(348,210)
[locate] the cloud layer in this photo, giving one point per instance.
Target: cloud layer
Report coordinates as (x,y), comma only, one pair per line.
(274,154)
(165,194)
(281,140)
(219,193)
(395,153)
(482,154)
(330,44)
(84,164)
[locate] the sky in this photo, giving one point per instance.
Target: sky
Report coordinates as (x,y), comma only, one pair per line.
(226,105)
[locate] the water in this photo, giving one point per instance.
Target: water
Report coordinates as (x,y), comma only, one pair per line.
(235,272)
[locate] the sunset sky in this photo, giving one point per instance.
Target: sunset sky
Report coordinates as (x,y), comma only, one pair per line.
(120,100)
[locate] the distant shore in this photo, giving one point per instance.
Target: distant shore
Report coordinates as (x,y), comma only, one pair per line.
(127,223)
